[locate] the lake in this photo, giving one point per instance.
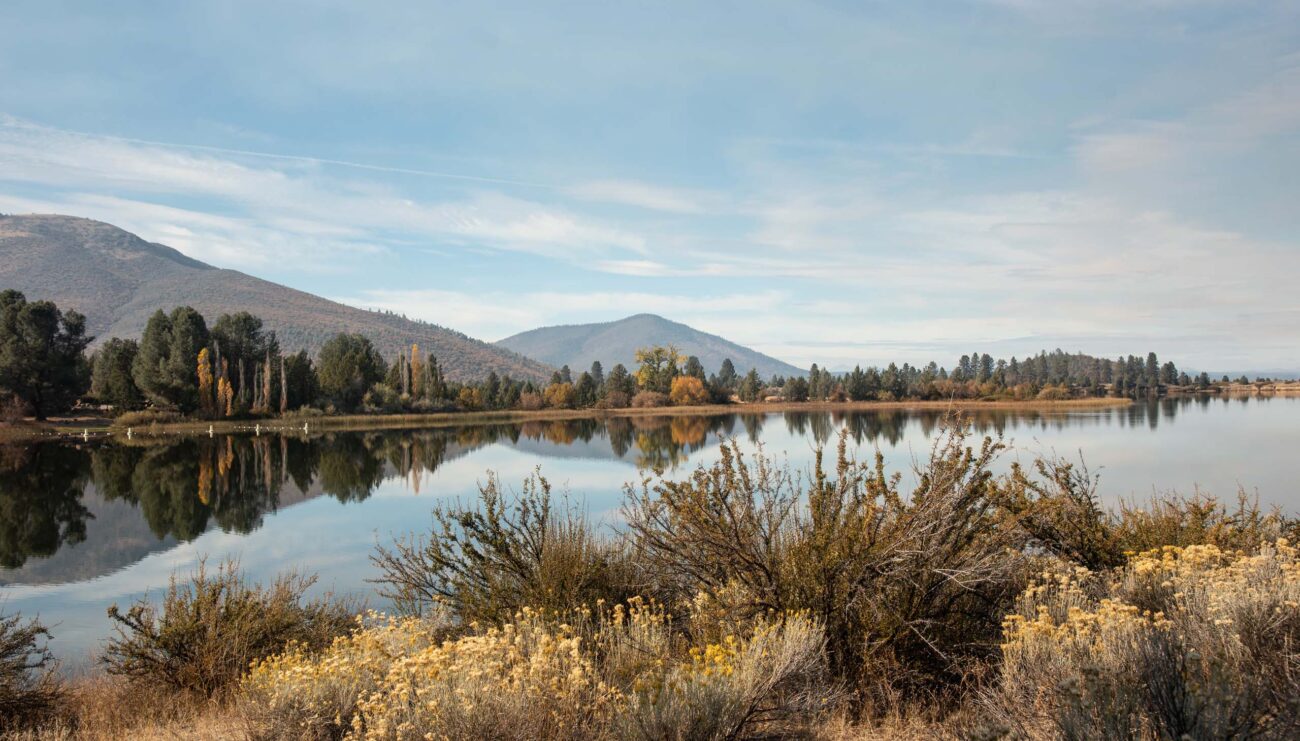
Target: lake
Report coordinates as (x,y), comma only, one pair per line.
(87,524)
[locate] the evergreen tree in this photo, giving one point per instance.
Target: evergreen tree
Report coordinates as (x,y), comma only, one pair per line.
(750,386)
(299,381)
(164,366)
(693,368)
(41,353)
(598,374)
(111,381)
(348,365)
(727,375)
(585,390)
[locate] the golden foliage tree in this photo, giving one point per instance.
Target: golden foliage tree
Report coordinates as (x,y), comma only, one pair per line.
(207,402)
(417,378)
(658,367)
(688,391)
(559,396)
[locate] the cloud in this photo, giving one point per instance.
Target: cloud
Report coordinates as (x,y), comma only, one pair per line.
(296,196)
(643,195)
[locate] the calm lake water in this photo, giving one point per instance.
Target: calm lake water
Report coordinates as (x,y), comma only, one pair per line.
(84,526)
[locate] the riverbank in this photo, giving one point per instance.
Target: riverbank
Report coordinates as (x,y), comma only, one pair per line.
(99,427)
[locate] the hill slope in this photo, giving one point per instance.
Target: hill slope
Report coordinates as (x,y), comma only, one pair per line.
(118,280)
(577,345)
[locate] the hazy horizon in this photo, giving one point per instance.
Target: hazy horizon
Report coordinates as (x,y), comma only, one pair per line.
(827,182)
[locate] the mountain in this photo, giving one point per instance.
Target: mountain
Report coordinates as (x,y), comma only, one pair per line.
(118,280)
(577,345)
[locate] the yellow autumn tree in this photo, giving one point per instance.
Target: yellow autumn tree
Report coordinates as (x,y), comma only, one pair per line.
(658,367)
(559,396)
(207,403)
(688,391)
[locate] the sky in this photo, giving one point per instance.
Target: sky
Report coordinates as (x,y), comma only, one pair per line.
(838,183)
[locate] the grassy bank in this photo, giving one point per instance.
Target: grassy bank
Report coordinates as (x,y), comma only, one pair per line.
(741,601)
(98,426)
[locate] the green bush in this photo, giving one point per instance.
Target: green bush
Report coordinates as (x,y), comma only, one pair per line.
(209,629)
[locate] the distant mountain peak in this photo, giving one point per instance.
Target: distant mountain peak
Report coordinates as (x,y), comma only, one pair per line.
(118,280)
(616,341)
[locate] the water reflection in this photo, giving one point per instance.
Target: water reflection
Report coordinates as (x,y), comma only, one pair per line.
(41,487)
(181,489)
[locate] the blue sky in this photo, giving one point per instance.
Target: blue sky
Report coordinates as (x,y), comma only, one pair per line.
(826,182)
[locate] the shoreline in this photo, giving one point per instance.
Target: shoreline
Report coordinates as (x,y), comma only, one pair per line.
(98,428)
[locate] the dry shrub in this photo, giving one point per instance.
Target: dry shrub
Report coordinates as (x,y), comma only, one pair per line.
(13,409)
(614,400)
(147,418)
(910,587)
(507,552)
(603,674)
(769,682)
(1192,642)
(530,401)
(1061,511)
(209,629)
(647,399)
(29,691)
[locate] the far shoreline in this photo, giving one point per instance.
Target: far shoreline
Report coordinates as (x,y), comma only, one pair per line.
(101,427)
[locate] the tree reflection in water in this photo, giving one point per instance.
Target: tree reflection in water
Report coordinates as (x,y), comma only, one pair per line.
(41,488)
(183,487)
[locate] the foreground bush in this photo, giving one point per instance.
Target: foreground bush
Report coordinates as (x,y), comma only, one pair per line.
(910,586)
(208,630)
(488,561)
(1193,642)
(28,689)
(1061,512)
(613,674)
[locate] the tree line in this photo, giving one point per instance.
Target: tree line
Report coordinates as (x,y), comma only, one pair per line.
(235,368)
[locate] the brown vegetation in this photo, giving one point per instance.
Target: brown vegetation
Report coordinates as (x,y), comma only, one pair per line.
(750,601)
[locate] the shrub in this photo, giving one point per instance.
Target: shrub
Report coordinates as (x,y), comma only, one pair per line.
(1062,513)
(29,691)
(646,399)
(208,630)
(908,587)
(146,418)
(530,401)
(611,673)
(509,552)
(559,396)
(1192,642)
(614,400)
(688,391)
(13,409)
(303,413)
